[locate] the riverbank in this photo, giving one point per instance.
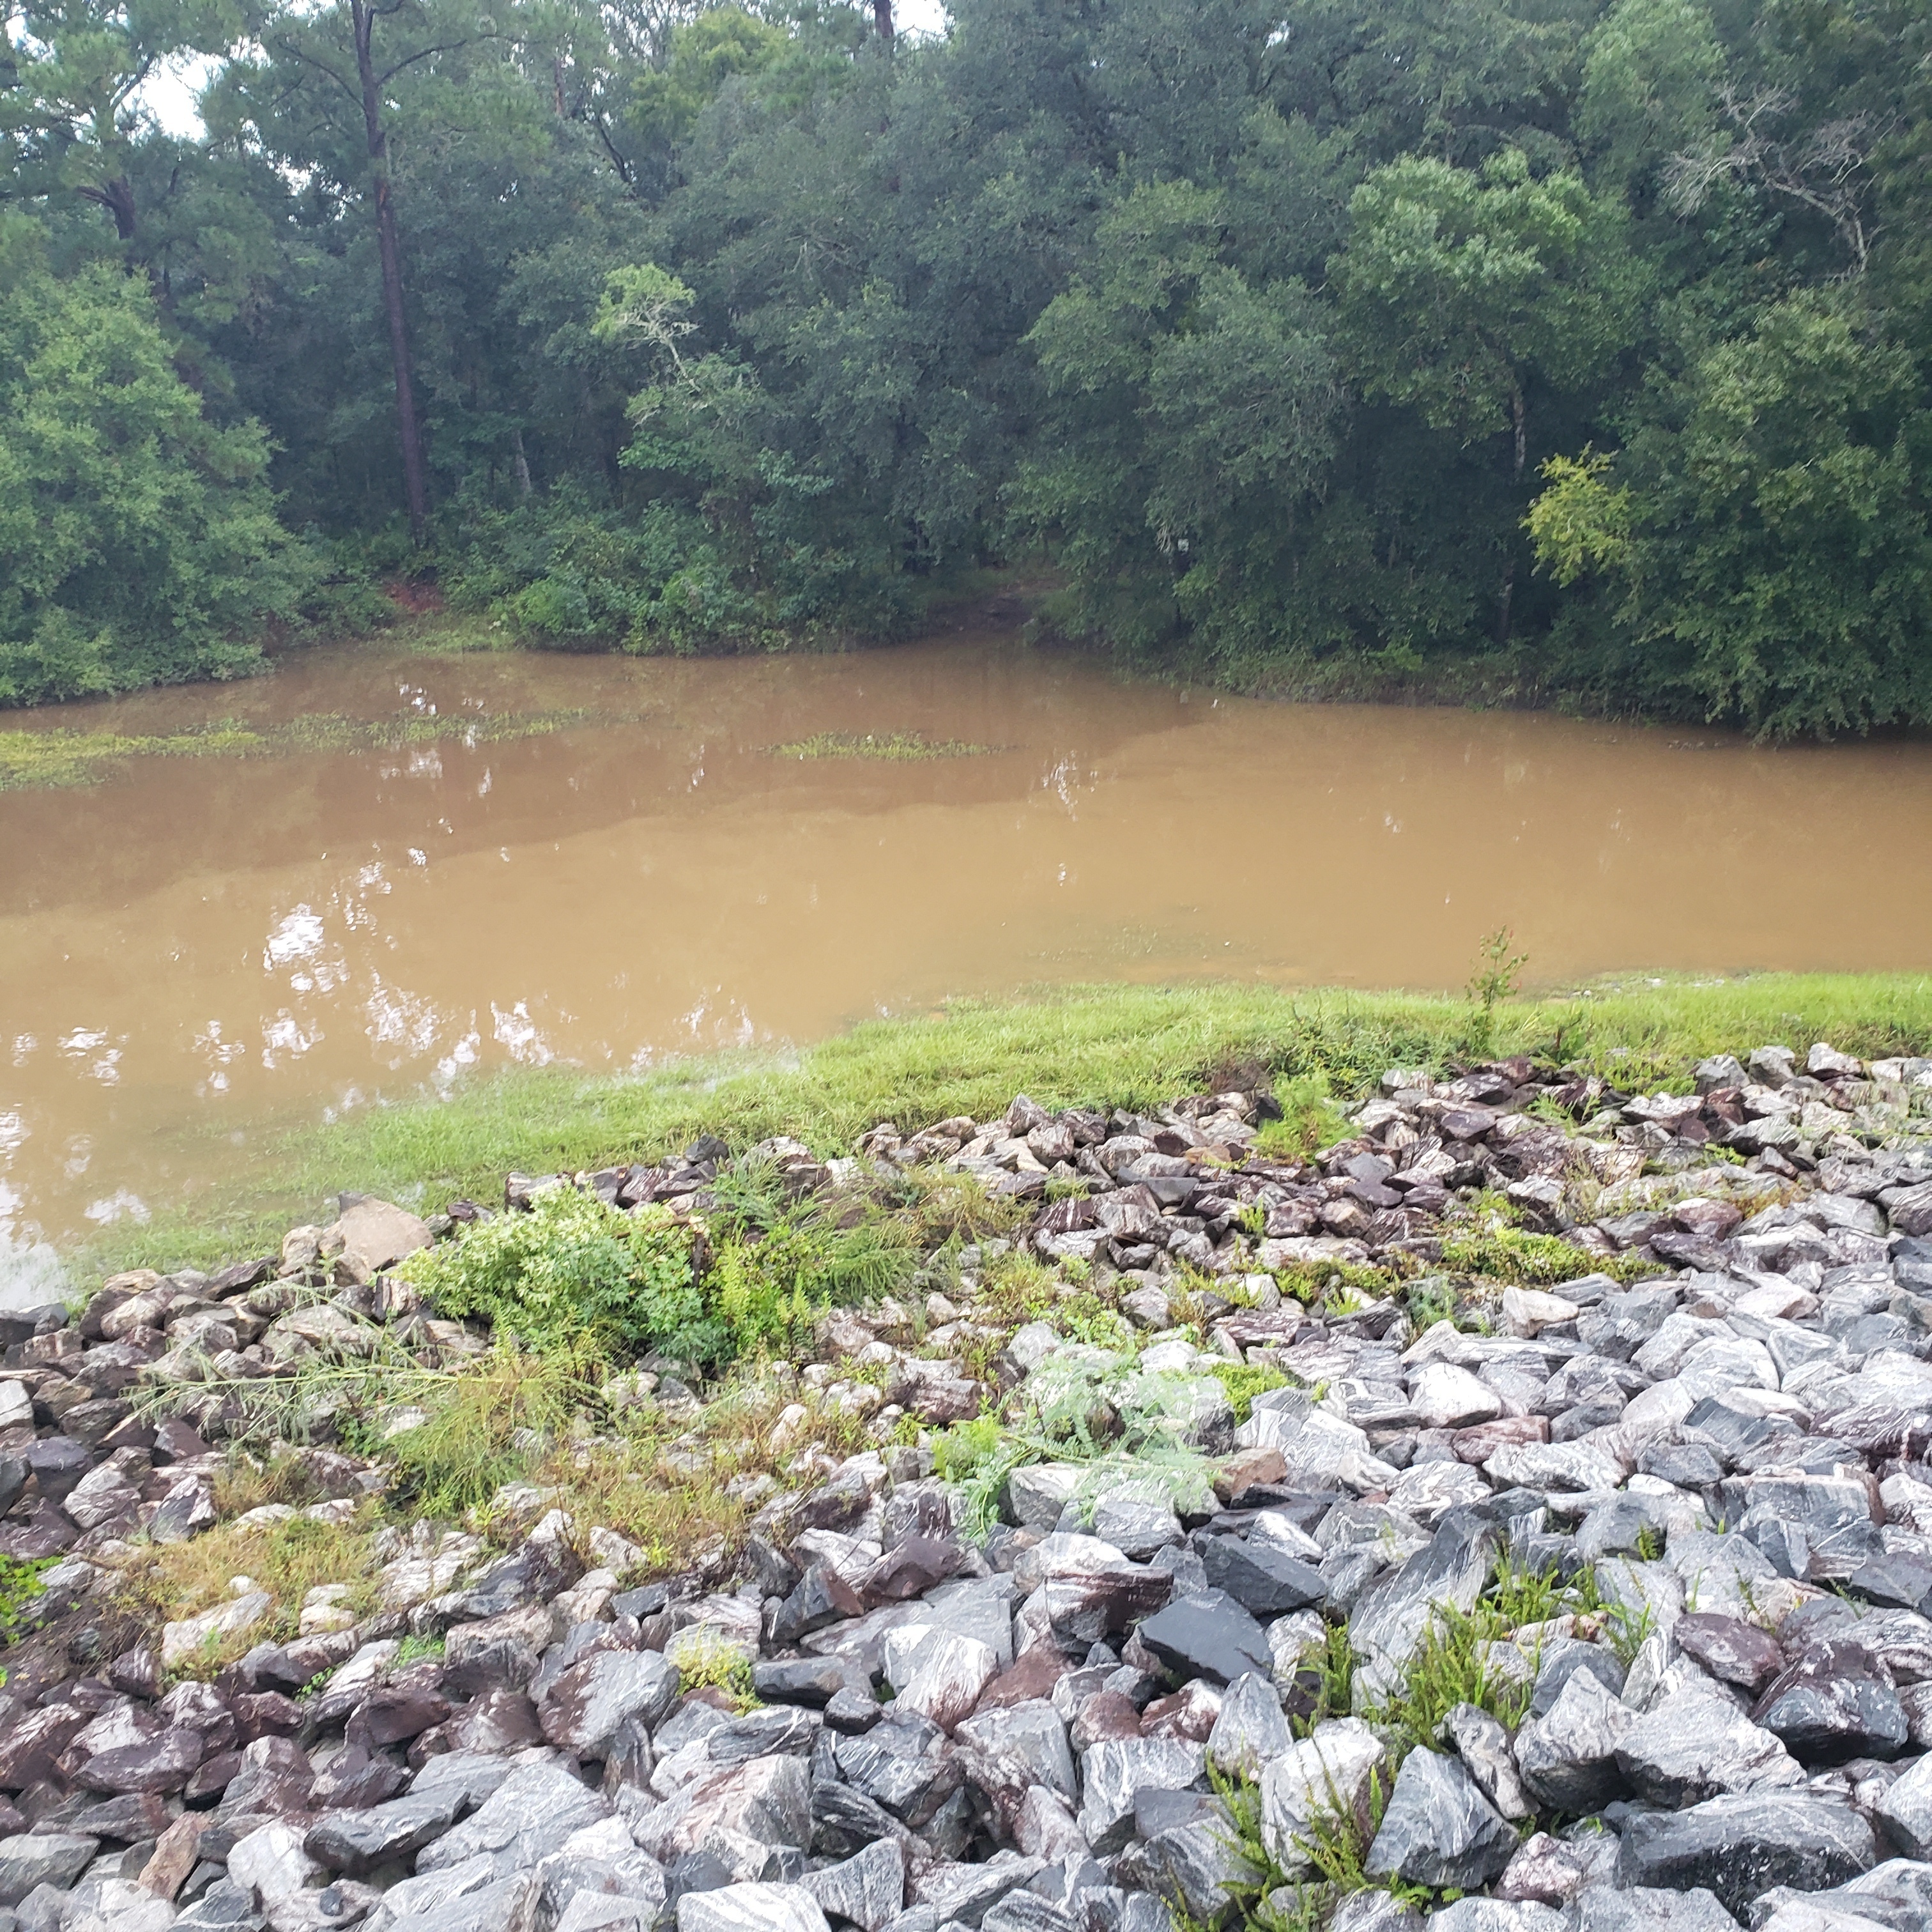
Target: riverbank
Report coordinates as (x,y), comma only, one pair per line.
(1501,1503)
(1124,1045)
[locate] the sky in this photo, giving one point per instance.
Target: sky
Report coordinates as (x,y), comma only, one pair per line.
(169,93)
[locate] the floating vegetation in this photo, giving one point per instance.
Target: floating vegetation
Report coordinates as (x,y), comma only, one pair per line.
(31,759)
(890,744)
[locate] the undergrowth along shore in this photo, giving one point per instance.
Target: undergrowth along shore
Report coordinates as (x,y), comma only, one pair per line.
(1130,1046)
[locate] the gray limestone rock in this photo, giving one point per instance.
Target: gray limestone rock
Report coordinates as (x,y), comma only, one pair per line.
(1438,1829)
(1741,1845)
(1391,1617)
(751,1908)
(1210,1636)
(528,1817)
(590,1704)
(356,1842)
(1568,1758)
(1483,1746)
(1114,1772)
(1603,1908)
(1495,1914)
(52,1858)
(1693,1747)
(1250,1731)
(868,1889)
(1904,1813)
(1326,1772)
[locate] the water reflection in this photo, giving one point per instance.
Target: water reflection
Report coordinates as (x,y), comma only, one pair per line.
(200,943)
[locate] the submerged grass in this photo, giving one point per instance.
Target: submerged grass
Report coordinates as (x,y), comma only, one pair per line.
(45,759)
(1125,1045)
(893,745)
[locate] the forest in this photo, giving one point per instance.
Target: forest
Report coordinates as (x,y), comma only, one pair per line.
(1574,349)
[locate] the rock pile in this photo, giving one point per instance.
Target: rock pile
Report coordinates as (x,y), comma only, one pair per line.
(1556,1553)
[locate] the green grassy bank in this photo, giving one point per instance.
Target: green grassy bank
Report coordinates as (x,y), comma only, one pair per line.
(1126,1046)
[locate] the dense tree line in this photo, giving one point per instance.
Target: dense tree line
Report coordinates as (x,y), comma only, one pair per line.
(1327,344)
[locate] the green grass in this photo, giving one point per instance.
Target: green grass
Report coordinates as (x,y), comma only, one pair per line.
(1126,1046)
(31,759)
(893,746)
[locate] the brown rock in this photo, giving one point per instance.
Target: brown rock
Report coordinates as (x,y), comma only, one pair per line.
(174,1855)
(376,1235)
(1034,1674)
(1730,1649)
(163,1763)
(1250,1466)
(1478,1444)
(32,1742)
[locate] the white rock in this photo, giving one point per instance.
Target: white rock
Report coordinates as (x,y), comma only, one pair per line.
(271,1862)
(183,1642)
(1446,1397)
(751,1908)
(1325,1773)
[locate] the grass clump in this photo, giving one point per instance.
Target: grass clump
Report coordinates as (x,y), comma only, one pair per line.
(570,1271)
(893,746)
(31,760)
(486,1426)
(707,1659)
(171,1581)
(1244,1380)
(1310,1118)
(1515,1255)
(1353,1281)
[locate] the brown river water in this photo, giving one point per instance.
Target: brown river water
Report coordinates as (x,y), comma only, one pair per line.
(196,947)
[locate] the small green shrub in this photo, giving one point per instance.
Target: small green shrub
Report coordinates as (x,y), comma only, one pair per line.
(1244,1380)
(21,1590)
(569,1270)
(1310,1119)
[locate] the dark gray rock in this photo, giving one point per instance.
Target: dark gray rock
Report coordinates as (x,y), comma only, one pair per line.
(356,1842)
(1438,1829)
(1694,1747)
(1738,1847)
(1391,1618)
(1115,1773)
(1568,1758)
(1261,1576)
(1209,1636)
(593,1702)
(1834,1704)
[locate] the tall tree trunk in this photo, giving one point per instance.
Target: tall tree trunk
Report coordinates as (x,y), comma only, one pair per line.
(882,12)
(117,196)
(414,481)
(1521,425)
(519,464)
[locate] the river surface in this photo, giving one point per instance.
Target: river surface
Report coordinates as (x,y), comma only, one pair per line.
(194,947)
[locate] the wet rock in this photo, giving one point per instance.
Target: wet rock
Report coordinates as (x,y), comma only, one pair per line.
(1438,1829)
(1737,1847)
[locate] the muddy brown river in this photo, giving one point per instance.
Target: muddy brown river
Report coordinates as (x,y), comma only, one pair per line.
(193,946)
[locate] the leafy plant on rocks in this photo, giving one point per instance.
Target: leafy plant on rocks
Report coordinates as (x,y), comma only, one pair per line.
(570,1270)
(1244,1380)
(706,1659)
(21,1590)
(1311,1117)
(1497,975)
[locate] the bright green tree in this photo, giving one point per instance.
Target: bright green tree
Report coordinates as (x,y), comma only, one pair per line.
(138,540)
